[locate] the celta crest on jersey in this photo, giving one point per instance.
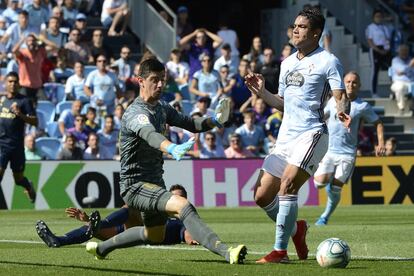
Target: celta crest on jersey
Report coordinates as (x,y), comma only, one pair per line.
(294,78)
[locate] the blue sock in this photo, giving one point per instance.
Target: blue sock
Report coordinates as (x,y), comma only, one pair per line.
(286,220)
(119,217)
(334,196)
(272,209)
(74,236)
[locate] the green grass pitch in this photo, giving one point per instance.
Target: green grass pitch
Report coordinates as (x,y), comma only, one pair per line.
(381,240)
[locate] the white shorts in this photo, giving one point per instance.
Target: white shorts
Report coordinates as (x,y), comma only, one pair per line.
(305,152)
(340,165)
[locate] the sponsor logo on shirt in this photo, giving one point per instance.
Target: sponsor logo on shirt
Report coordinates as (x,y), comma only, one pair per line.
(294,78)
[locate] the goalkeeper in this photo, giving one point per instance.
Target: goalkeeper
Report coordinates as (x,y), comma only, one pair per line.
(142,143)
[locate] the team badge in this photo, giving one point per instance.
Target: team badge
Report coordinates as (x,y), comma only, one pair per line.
(143,119)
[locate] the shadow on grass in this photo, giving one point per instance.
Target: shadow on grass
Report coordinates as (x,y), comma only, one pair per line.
(126,271)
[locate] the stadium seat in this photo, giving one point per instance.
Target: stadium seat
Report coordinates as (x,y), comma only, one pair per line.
(48,108)
(55,92)
(48,146)
(63,106)
(52,129)
(87,69)
(187,107)
(41,118)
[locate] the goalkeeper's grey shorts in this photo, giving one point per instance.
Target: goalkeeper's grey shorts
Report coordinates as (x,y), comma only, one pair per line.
(150,199)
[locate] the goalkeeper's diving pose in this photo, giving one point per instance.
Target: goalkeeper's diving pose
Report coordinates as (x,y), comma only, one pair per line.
(142,143)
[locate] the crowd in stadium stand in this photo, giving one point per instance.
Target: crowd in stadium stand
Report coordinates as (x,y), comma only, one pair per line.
(81,90)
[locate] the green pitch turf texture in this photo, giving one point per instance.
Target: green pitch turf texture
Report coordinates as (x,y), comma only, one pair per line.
(381,240)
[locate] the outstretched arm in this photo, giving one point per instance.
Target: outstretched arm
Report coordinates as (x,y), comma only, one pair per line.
(255,83)
(380,148)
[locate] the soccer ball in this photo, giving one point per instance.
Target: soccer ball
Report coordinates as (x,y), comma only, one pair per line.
(333,252)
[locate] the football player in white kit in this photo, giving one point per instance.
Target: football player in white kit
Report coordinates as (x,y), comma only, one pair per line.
(304,83)
(338,163)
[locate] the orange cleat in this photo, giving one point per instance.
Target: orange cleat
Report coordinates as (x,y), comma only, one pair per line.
(276,256)
(299,239)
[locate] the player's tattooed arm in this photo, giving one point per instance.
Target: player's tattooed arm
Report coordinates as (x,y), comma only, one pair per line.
(343,106)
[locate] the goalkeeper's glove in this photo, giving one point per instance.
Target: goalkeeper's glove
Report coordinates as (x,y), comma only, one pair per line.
(222,112)
(178,151)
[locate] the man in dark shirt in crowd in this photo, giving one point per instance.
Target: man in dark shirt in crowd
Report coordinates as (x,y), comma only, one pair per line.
(270,70)
(16,111)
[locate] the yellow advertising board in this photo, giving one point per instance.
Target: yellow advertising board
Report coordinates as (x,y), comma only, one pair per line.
(379,180)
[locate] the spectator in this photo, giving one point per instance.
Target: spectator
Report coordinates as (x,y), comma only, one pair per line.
(115,12)
(77,50)
(64,25)
(255,51)
(402,74)
(252,135)
(236,150)
(52,37)
(289,34)
(69,11)
(202,106)
(19,30)
(378,38)
(81,24)
(198,47)
(108,136)
(210,149)
(30,62)
(38,15)
(125,64)
(240,93)
(67,117)
(228,59)
(223,134)
(206,82)
(119,111)
(79,131)
(184,27)
(12,12)
(178,69)
(62,72)
(270,70)
(390,146)
(30,150)
(272,126)
(230,37)
(94,151)
(69,150)
(258,107)
(90,124)
(226,81)
(98,47)
(3,46)
(287,50)
(102,86)
(74,87)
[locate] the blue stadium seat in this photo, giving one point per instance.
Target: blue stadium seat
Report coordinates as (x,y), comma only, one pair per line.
(63,106)
(48,146)
(87,69)
(41,119)
(55,92)
(52,129)
(187,107)
(48,108)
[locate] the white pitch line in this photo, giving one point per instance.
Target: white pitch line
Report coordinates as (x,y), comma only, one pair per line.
(162,247)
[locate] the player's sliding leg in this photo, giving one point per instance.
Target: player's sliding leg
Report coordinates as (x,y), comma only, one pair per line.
(334,196)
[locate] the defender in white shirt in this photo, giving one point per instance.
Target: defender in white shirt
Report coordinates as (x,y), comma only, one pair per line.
(338,164)
(304,83)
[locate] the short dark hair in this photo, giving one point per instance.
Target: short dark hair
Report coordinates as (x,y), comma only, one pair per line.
(12,74)
(226,46)
(24,12)
(315,17)
(150,65)
(91,109)
(179,187)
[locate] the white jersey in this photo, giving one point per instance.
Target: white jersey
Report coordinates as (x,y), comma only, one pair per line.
(342,141)
(304,84)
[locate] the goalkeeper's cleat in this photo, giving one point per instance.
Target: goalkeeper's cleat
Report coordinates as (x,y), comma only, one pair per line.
(92,248)
(299,239)
(237,254)
(94,224)
(321,221)
(276,256)
(30,192)
(46,235)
